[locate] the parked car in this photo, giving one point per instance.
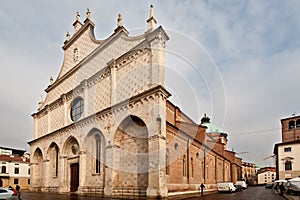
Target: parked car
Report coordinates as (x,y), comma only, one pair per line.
(269,186)
(293,186)
(238,188)
(226,187)
(242,184)
(7,194)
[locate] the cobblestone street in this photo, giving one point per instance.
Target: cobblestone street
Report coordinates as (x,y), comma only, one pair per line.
(54,196)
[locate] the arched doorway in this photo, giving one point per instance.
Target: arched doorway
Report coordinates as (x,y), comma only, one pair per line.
(132,139)
(71,158)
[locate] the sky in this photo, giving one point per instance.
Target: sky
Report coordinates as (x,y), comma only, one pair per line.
(237,61)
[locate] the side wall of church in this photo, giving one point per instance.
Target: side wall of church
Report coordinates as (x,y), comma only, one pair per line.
(190,162)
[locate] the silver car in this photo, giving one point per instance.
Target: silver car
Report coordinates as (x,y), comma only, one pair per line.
(6,194)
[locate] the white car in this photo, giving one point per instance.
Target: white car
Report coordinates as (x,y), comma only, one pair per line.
(242,184)
(6,194)
(226,187)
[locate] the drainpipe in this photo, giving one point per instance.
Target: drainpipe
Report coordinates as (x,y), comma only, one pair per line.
(204,166)
(188,161)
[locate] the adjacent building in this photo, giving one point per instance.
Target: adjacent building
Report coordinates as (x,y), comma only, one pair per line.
(106,125)
(266,175)
(287,152)
(14,168)
(249,173)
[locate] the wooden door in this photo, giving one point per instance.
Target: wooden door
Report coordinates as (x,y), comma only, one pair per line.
(74,177)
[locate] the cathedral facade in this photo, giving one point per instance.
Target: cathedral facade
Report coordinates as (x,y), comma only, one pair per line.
(106,125)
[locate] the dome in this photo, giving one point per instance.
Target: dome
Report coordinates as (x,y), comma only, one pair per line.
(211,128)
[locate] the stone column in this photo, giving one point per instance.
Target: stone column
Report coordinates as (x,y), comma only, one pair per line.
(157,163)
(64,181)
(82,170)
(157,40)
(49,118)
(84,86)
(33,176)
(113,81)
(66,113)
(108,188)
(36,125)
(46,176)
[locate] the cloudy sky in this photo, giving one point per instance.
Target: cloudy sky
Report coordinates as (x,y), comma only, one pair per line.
(239,59)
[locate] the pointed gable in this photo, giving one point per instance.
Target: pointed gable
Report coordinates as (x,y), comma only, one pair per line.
(81,44)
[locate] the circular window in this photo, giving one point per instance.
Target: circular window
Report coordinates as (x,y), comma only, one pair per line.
(75,148)
(77,109)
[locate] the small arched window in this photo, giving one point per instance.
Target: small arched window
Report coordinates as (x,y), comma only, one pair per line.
(298,123)
(288,165)
(192,167)
(291,124)
(184,167)
(176,146)
(167,162)
(98,153)
(55,160)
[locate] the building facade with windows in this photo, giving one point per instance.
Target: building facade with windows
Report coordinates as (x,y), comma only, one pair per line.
(290,129)
(14,168)
(287,152)
(106,125)
(249,173)
(266,175)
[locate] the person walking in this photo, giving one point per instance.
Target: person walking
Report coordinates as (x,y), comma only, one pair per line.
(281,188)
(202,186)
(18,191)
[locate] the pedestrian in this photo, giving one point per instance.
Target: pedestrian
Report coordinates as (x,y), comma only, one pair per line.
(18,191)
(202,186)
(281,187)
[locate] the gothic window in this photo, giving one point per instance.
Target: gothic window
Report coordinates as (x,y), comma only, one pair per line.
(298,123)
(288,165)
(167,162)
(98,153)
(3,169)
(77,109)
(291,124)
(55,161)
(192,167)
(184,167)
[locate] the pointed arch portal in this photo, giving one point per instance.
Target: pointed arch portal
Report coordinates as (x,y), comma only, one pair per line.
(132,139)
